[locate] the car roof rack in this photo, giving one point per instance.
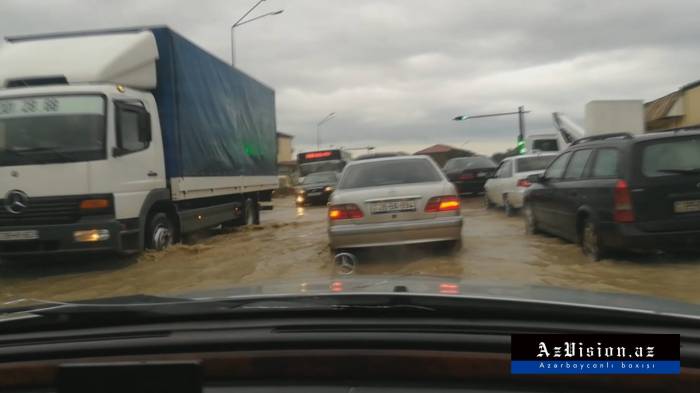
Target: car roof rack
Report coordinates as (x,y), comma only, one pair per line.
(622,135)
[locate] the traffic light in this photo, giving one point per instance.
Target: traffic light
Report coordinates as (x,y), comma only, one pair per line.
(521,145)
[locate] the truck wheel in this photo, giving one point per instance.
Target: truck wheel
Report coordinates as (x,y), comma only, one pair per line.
(160,232)
(590,241)
(251,215)
(507,207)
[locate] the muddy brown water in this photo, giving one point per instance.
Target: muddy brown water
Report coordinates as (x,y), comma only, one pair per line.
(291,244)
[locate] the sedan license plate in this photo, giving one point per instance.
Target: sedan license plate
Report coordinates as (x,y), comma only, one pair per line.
(314,194)
(481,174)
(686,206)
(393,206)
(18,235)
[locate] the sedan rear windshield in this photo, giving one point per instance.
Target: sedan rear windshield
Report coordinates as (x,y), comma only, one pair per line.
(389,172)
(468,163)
(529,164)
(668,157)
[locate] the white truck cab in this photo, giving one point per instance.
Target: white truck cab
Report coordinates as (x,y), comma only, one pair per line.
(83,161)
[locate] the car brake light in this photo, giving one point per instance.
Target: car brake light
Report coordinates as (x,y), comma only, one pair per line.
(336,286)
(466,176)
(442,204)
(524,183)
(623,203)
(449,288)
(344,212)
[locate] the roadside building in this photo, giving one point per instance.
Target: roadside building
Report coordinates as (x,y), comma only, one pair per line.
(442,153)
(678,109)
(286,164)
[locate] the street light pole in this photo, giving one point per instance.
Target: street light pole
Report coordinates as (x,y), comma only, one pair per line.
(241,22)
(318,128)
(521,121)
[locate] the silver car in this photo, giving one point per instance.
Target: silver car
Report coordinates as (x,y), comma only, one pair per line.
(394,201)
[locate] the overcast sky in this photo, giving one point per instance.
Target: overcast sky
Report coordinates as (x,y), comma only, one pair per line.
(397,71)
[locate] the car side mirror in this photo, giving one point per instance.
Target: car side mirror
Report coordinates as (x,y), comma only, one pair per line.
(536,178)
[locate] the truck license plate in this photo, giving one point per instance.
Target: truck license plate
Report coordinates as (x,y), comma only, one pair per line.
(19,235)
(393,206)
(686,206)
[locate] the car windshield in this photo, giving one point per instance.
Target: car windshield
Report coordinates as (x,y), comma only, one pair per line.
(51,129)
(468,163)
(671,157)
(320,177)
(529,164)
(388,173)
(462,149)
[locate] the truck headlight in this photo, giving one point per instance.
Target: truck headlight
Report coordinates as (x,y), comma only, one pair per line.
(92,235)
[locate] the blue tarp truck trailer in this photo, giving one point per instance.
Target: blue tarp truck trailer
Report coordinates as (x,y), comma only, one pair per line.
(127,139)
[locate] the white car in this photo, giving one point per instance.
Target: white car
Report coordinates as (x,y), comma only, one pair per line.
(507,187)
(394,201)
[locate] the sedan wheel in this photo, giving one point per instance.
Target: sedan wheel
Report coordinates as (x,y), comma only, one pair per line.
(509,209)
(487,202)
(531,227)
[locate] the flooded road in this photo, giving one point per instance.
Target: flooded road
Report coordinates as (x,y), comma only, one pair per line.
(291,244)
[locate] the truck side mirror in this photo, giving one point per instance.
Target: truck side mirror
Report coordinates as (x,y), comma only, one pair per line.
(144,127)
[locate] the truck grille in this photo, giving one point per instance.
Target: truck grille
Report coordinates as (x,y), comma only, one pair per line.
(43,210)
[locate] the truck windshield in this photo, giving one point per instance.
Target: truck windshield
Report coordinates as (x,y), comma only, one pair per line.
(51,129)
(545,145)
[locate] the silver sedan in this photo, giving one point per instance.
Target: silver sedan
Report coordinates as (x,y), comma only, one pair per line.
(394,201)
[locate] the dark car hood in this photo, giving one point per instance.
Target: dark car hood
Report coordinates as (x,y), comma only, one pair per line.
(445,286)
(399,285)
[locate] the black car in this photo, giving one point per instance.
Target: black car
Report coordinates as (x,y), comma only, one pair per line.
(618,191)
(469,174)
(316,188)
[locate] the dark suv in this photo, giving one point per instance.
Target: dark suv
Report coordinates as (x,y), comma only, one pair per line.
(618,191)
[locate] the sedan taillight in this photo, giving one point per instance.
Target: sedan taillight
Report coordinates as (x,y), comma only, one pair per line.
(442,204)
(344,212)
(524,183)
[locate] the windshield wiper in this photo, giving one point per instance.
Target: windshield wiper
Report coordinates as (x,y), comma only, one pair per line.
(694,171)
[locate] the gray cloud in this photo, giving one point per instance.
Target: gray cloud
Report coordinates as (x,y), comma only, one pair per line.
(396,71)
